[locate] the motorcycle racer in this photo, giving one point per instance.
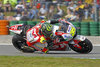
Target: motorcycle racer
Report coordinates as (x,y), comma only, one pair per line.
(34,33)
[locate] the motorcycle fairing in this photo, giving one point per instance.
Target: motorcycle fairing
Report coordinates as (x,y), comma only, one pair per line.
(60,46)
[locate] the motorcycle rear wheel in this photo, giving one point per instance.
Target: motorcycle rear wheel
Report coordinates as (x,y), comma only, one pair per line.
(86,47)
(18,42)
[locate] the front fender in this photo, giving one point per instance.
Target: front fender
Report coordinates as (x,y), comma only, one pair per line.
(80,38)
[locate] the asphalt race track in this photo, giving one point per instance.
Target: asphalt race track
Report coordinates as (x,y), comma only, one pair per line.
(9,50)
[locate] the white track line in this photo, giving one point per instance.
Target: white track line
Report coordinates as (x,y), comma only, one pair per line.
(5,43)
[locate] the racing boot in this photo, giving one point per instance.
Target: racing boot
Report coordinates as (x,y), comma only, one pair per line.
(45,50)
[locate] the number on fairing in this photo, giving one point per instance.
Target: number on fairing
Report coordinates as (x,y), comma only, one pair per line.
(72,32)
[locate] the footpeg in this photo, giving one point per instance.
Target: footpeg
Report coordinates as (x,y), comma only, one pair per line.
(27,48)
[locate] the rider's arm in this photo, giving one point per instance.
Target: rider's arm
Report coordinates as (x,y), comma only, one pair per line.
(53,21)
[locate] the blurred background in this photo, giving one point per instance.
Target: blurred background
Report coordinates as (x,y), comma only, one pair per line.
(84,14)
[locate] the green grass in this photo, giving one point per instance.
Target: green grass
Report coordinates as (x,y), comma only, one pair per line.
(21,61)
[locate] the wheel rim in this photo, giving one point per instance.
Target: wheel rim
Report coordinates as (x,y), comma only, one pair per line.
(84,46)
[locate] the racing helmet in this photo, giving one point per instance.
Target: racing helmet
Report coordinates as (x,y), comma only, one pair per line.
(46,29)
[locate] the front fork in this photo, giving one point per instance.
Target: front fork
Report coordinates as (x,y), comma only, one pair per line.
(76,41)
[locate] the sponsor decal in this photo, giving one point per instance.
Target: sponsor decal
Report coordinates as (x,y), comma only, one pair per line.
(69,29)
(66,36)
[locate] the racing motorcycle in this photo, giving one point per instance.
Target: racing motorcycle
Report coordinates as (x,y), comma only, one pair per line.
(79,43)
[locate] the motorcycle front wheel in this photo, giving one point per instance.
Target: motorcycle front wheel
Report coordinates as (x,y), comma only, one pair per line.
(86,47)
